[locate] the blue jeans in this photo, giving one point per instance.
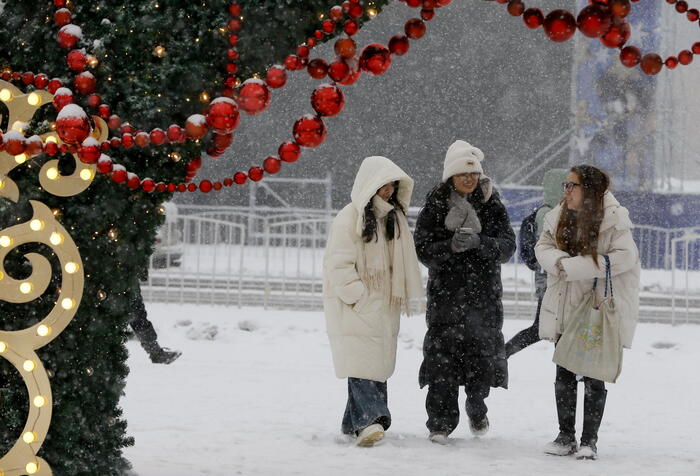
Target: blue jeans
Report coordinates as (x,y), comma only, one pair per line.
(367,404)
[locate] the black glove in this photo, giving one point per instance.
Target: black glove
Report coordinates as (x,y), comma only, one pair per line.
(464,241)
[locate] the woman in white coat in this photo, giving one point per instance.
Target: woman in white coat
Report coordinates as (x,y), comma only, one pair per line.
(370,274)
(588,225)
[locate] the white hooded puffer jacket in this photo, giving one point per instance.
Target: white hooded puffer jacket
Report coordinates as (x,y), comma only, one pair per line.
(362,326)
(563,297)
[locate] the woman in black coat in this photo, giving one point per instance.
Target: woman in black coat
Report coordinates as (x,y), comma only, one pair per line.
(462,236)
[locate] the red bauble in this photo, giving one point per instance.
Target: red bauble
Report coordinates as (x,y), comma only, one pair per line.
(414,3)
(104,164)
(62,98)
(85,83)
(127,128)
(62,17)
(651,63)
(559,25)
(15,143)
(681,6)
(620,8)
(671,62)
(289,151)
(158,136)
(427,14)
(72,124)
(119,174)
(94,100)
(345,48)
(309,131)
(693,14)
(34,146)
(328,26)
(195,126)
(69,35)
(127,140)
(351,27)
(617,35)
(355,71)
(317,68)
(533,18)
(415,28)
(114,122)
(276,77)
(272,165)
(89,151)
(54,85)
(175,133)
(685,57)
(630,56)
(327,100)
(240,178)
(292,63)
(77,60)
(148,185)
(222,141)
(255,174)
(303,51)
(355,10)
(696,48)
(51,149)
(516,8)
(399,45)
(594,20)
(28,78)
(133,181)
(41,81)
(253,98)
(142,139)
(205,186)
(375,59)
(338,70)
(234,10)
(228,182)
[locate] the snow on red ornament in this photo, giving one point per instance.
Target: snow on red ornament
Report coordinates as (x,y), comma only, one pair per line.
(62,98)
(289,151)
(276,77)
(118,173)
(594,20)
(142,139)
(85,83)
(253,98)
(157,136)
(355,71)
(327,100)
(77,60)
(399,45)
(175,133)
(651,63)
(69,35)
(617,35)
(195,126)
(336,13)
(104,164)
(559,25)
(272,165)
(317,68)
(54,85)
(89,151)
(62,17)
(309,131)
(630,56)
(533,18)
(127,140)
(34,146)
(72,124)
(132,181)
(114,122)
(255,174)
(15,143)
(375,59)
(148,185)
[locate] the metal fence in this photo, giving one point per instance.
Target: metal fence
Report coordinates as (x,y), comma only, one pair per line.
(273,258)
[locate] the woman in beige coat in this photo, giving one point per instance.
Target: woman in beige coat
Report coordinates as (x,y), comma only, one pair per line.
(370,275)
(588,225)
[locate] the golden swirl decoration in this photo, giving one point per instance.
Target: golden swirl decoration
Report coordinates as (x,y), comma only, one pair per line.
(19,347)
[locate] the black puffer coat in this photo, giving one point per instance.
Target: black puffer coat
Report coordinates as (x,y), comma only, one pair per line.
(464,314)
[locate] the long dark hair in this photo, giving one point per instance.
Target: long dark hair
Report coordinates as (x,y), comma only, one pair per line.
(369,230)
(577,232)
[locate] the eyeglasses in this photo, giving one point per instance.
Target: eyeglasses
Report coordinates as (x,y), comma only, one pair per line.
(569,186)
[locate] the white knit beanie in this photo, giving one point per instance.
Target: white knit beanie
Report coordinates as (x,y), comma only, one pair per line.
(462,158)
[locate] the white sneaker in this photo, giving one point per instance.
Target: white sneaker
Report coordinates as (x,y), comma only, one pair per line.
(370,435)
(439,437)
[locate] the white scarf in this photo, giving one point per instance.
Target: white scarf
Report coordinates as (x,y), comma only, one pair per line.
(392,263)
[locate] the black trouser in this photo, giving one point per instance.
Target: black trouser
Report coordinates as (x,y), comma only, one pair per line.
(565,388)
(143,328)
(528,336)
(442,404)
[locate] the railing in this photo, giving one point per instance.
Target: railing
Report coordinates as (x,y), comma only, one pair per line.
(274,258)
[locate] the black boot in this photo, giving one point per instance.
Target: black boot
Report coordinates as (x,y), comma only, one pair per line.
(565,394)
(160,355)
(593,408)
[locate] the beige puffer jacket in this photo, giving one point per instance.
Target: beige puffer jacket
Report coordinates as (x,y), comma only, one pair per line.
(562,297)
(362,326)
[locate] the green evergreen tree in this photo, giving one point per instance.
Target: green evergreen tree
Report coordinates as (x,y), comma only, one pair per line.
(86,362)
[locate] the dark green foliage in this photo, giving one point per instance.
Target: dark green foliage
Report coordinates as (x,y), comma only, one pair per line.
(87,362)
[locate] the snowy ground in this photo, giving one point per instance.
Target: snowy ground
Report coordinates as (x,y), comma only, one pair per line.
(254,394)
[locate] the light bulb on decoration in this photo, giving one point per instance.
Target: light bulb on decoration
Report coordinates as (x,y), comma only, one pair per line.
(175,156)
(26,287)
(39,401)
(89,371)
(93,61)
(160,51)
(57,212)
(34,99)
(67,303)
(36,225)
(71,267)
(204,96)
(20,126)
(56,238)
(101,295)
(52,126)
(2,184)
(222,30)
(32,467)
(43,330)
(52,173)
(113,234)
(86,174)
(3,347)
(29,437)
(5,241)
(321,16)
(29,365)
(21,158)
(371,12)
(5,95)
(161,209)
(52,139)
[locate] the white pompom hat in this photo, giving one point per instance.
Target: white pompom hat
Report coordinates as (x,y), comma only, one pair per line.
(462,158)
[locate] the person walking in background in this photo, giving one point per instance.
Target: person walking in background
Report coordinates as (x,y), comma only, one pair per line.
(580,235)
(530,231)
(146,333)
(370,275)
(463,235)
